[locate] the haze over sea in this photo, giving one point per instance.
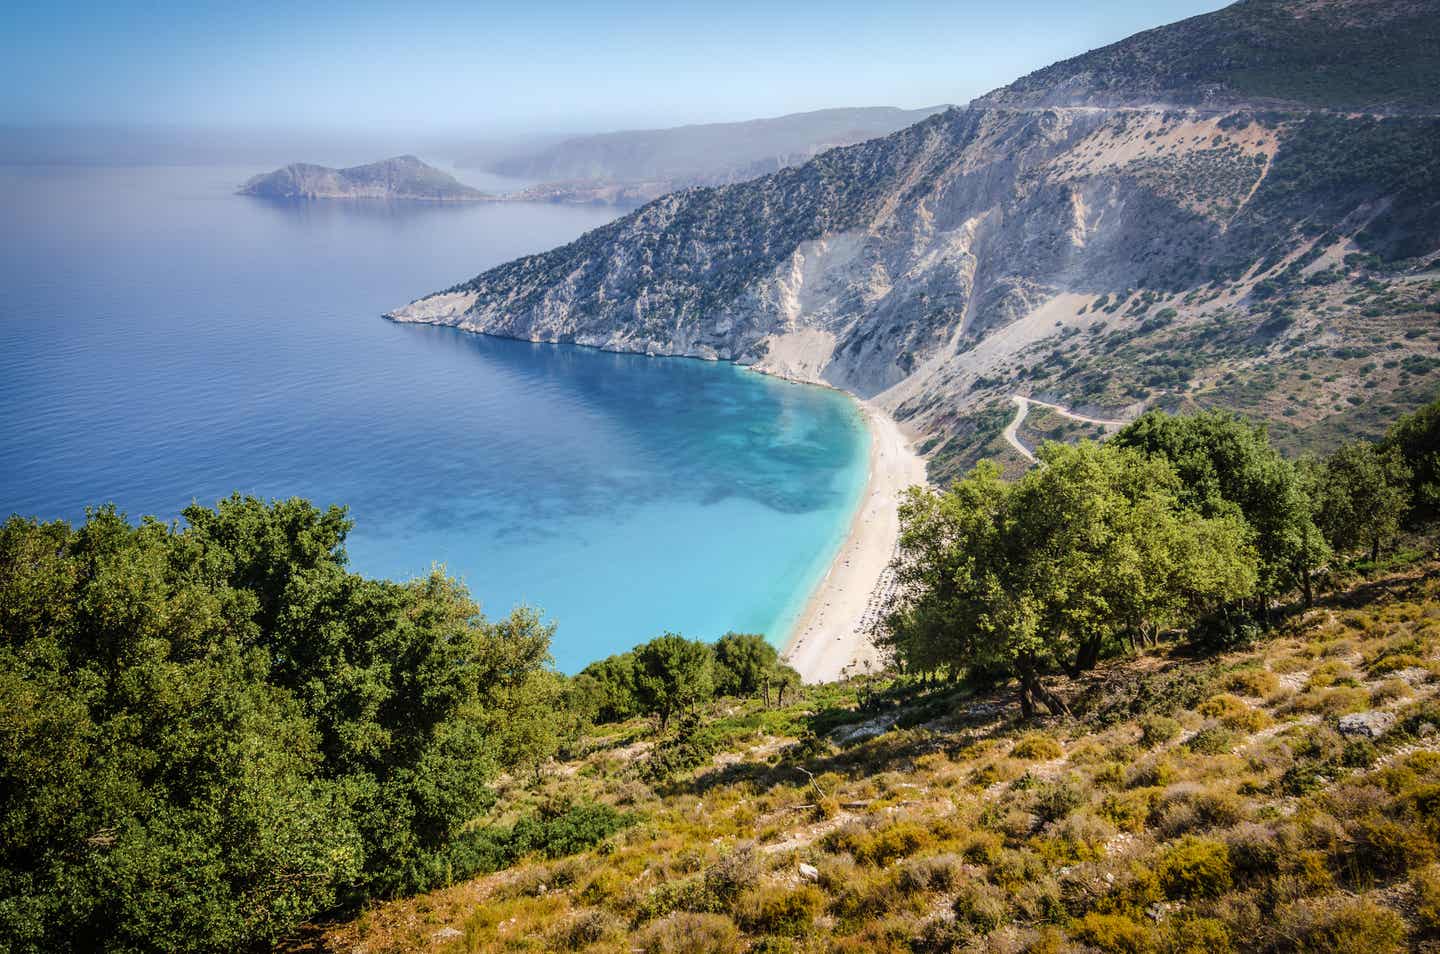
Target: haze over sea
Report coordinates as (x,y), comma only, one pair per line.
(162,341)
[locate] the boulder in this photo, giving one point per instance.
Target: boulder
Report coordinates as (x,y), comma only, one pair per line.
(1365,725)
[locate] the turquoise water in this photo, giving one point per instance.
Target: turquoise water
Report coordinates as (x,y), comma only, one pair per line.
(162,340)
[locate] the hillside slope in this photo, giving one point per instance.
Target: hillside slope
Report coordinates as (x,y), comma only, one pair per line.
(1362,55)
(996,250)
(1277,798)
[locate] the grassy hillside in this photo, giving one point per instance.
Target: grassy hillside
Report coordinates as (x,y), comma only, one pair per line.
(1281,796)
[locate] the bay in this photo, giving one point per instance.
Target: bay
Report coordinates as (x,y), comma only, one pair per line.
(163,340)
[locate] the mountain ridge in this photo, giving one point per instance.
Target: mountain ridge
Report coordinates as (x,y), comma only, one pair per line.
(631,166)
(1008,249)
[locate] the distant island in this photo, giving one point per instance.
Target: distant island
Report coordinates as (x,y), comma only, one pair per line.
(404,177)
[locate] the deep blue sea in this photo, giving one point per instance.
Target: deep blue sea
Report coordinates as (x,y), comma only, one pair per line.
(163,340)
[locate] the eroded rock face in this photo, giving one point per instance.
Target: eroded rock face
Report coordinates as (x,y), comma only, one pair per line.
(916,268)
(1365,725)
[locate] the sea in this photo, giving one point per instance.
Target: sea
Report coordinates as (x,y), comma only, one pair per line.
(165,341)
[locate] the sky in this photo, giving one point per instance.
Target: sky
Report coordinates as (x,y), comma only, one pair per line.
(513,68)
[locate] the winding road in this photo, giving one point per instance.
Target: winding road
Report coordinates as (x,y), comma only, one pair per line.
(1022,407)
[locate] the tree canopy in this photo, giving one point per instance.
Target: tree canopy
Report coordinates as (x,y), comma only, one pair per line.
(1184,524)
(1050,572)
(215,729)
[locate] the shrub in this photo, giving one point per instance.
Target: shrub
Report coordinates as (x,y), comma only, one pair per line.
(983,847)
(733,874)
(1038,747)
(1332,673)
(1194,867)
(1189,934)
(1384,847)
(1257,683)
(1151,773)
(1001,770)
(1157,730)
(778,911)
(982,906)
(570,830)
(1211,740)
(1340,926)
(586,928)
(1255,852)
(688,933)
(685,749)
(1233,713)
(1389,691)
(687,894)
(1055,798)
(899,840)
(1190,807)
(1394,662)
(1113,932)
(1128,810)
(936,873)
(1425,882)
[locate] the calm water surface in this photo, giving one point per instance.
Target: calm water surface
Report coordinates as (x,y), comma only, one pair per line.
(163,341)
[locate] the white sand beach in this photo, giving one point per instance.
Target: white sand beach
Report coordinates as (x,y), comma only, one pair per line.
(833,633)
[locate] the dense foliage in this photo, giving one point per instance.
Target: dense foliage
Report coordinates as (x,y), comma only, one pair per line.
(215,730)
(671,674)
(1191,524)
(1215,801)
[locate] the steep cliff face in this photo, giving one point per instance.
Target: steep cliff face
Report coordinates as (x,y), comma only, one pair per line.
(404,177)
(959,260)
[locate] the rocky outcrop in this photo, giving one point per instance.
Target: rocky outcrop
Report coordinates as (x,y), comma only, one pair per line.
(401,178)
(950,262)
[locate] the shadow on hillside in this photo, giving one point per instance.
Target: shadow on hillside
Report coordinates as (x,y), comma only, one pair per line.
(964,714)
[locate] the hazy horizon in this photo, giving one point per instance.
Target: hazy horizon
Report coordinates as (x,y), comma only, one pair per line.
(441,73)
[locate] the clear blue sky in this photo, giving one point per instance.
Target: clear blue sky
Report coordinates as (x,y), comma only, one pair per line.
(510,67)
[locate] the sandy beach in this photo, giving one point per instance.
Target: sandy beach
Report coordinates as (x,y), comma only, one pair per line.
(833,632)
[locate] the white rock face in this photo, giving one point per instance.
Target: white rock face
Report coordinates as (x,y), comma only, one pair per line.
(1365,725)
(913,269)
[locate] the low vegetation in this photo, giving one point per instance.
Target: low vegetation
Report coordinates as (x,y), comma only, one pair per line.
(1167,692)
(1188,801)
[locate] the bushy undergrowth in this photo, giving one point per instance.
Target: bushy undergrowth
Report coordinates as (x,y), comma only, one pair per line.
(977,828)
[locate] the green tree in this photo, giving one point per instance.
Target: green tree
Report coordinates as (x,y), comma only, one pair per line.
(215,731)
(1227,466)
(1363,492)
(611,685)
(673,674)
(1417,439)
(1058,569)
(744,663)
(783,679)
(951,563)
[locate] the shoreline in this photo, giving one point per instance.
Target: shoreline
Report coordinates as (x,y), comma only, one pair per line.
(833,631)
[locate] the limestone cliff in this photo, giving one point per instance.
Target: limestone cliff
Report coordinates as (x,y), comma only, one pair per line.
(1019,246)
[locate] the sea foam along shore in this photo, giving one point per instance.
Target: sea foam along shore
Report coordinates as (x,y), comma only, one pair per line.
(834,632)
